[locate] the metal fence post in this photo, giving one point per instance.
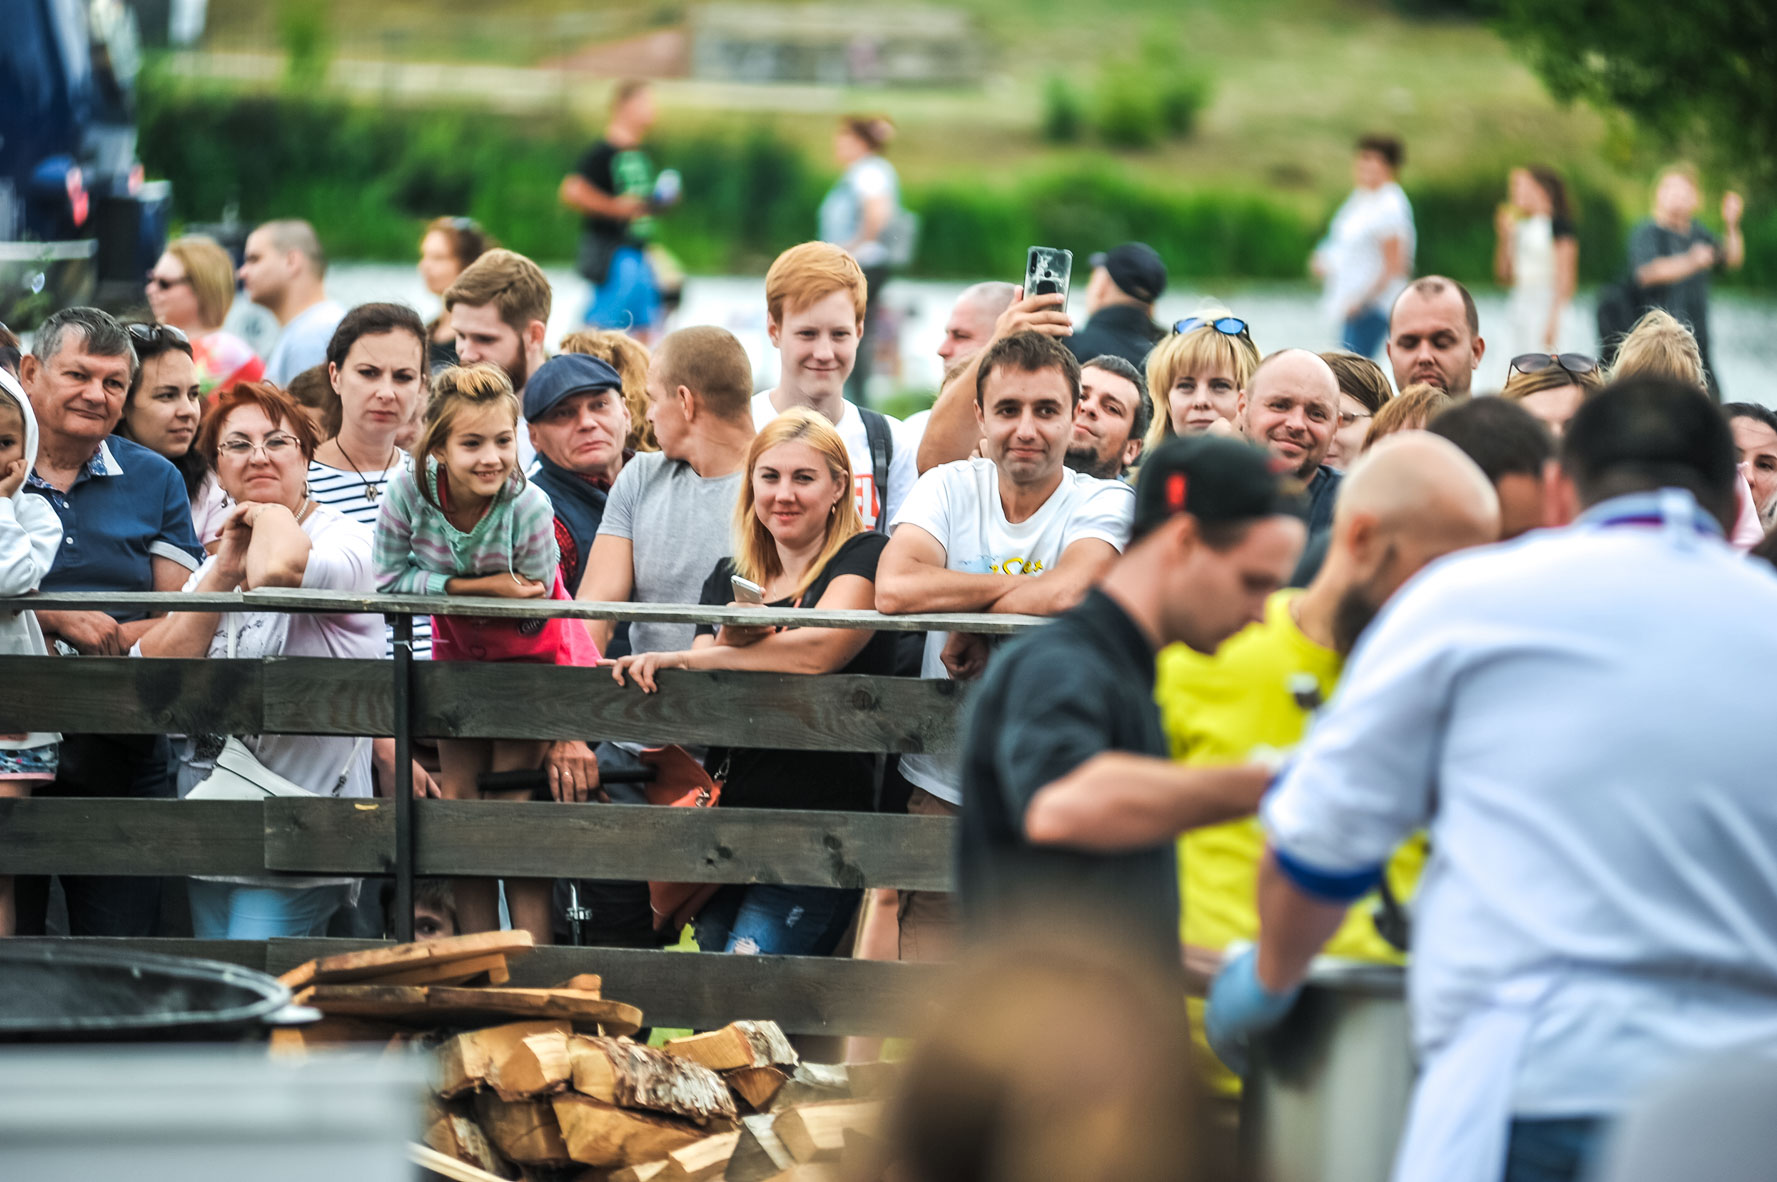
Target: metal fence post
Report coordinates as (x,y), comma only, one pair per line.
(404,835)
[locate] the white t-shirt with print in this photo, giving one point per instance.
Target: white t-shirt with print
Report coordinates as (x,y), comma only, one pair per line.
(959,504)
(903,463)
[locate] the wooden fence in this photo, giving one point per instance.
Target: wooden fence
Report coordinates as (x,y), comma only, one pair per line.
(404,838)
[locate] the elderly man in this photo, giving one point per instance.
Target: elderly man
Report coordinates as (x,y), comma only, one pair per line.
(1434,336)
(971,322)
(126,526)
(578,422)
(284,270)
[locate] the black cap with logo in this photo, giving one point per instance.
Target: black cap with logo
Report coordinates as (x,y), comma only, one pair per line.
(1135,268)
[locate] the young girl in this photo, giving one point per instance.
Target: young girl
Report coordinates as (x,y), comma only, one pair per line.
(463,521)
(30,535)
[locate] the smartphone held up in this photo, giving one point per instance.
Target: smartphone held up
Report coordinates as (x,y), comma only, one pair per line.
(1047,271)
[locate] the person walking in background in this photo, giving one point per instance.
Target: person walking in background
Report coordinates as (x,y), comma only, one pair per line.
(862,214)
(1367,255)
(1672,254)
(191,288)
(613,187)
(447,248)
(285,271)
(1537,256)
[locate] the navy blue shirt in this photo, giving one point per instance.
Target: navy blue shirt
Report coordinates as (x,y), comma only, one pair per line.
(127,505)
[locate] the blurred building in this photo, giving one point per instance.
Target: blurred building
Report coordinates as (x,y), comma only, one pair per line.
(830,45)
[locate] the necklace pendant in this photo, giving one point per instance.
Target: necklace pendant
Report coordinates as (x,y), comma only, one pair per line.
(371,492)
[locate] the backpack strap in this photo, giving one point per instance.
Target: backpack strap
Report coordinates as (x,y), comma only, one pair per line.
(882,450)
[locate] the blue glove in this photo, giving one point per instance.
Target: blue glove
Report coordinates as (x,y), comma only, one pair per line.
(1240,1007)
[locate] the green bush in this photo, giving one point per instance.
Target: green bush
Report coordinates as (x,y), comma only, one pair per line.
(1126,108)
(1062,113)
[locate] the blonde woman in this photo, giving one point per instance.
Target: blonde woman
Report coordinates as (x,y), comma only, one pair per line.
(797,535)
(1410,410)
(191,288)
(1196,375)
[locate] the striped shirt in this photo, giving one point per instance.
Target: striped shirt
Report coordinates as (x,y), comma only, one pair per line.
(343,491)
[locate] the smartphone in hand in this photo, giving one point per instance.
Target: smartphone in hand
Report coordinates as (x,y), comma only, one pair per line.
(1047,270)
(746,591)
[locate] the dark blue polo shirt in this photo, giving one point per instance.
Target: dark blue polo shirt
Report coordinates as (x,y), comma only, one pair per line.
(127,505)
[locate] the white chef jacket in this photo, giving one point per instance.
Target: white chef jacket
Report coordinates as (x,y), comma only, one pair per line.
(1582,721)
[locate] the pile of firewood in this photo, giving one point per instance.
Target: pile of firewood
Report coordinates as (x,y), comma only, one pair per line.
(544,1084)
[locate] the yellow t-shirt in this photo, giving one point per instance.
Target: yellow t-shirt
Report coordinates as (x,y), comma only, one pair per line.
(1218,710)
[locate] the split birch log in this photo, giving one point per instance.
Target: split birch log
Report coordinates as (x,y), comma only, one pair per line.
(518,1060)
(629,1075)
(601,1134)
(523,1130)
(738,1044)
(816,1132)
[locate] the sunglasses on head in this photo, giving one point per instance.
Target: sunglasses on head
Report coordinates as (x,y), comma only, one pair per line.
(465,225)
(1228,326)
(157,337)
(1577,364)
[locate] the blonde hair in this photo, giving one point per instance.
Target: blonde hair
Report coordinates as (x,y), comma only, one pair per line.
(458,390)
(210,271)
(629,357)
(813,271)
(1660,346)
(1410,410)
(1204,347)
(755,550)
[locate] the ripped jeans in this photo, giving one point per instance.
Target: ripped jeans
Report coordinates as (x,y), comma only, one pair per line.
(769,920)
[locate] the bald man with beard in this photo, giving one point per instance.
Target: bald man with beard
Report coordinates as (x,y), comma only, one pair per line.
(1409,501)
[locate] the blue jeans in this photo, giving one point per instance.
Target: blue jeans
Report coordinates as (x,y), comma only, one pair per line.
(1556,1149)
(769,920)
(1365,332)
(231,911)
(629,298)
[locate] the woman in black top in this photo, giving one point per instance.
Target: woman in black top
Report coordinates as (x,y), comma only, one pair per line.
(798,535)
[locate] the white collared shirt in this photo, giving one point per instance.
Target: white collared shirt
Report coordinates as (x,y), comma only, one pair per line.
(1582,720)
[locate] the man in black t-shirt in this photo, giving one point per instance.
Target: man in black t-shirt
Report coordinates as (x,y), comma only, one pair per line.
(613,186)
(1070,805)
(1672,254)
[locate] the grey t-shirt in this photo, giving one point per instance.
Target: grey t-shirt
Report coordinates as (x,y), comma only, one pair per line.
(303,343)
(1688,299)
(679,525)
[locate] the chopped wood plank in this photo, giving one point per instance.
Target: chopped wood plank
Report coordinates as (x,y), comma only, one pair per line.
(816,1132)
(371,963)
(581,983)
(759,1154)
(702,1160)
(629,1075)
(874,1080)
(295,1041)
(641,1173)
(439,1005)
(811,1171)
(813,1083)
(600,1134)
(46,835)
(523,1130)
(433,1161)
(756,1085)
(452,972)
(738,1044)
(517,1059)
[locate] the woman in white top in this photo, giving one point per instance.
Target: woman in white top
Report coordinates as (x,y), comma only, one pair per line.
(377,364)
(274,535)
(862,214)
(1537,257)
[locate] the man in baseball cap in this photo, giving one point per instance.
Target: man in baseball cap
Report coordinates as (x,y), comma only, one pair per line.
(1070,805)
(579,424)
(1120,305)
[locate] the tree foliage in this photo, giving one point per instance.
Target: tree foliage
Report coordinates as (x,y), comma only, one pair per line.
(1702,76)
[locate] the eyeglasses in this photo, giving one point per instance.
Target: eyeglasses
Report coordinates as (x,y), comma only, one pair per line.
(1577,364)
(275,447)
(1228,326)
(162,283)
(1349,418)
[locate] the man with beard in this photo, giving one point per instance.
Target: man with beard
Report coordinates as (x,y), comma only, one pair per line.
(1434,336)
(1111,420)
(499,309)
(1413,498)
(1291,408)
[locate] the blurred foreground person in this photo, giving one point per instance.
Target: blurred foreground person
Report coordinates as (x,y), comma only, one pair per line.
(1517,454)
(1056,1061)
(1600,904)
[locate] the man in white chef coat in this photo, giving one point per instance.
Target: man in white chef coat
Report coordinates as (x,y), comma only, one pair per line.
(1581,719)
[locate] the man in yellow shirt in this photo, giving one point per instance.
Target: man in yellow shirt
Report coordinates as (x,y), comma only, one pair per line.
(1411,499)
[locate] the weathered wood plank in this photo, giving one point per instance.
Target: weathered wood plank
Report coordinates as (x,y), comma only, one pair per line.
(701,991)
(249,954)
(48,835)
(420,605)
(121,696)
(836,712)
(616,841)
(316,695)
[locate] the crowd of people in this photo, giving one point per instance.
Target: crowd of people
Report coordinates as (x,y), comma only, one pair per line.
(1221,532)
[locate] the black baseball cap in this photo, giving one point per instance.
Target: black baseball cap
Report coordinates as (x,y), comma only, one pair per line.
(560,377)
(1213,478)
(1135,268)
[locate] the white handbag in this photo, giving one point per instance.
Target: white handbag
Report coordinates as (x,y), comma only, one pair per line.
(238,774)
